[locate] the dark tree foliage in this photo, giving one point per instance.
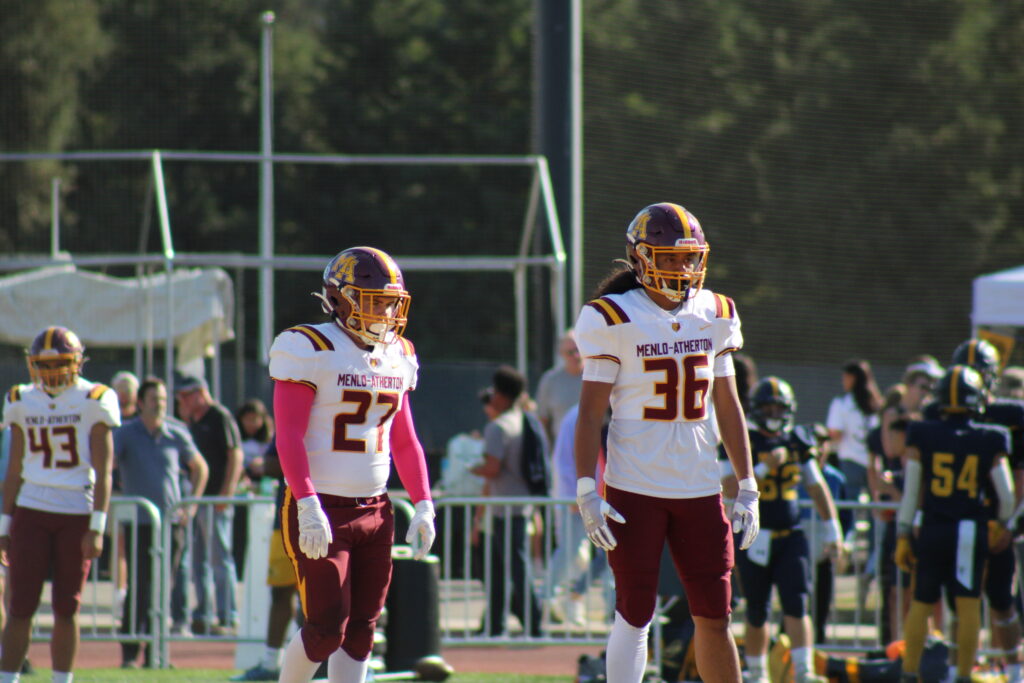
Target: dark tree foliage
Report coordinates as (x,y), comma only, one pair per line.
(855,164)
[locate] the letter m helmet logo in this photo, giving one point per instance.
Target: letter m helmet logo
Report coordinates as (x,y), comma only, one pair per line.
(345,271)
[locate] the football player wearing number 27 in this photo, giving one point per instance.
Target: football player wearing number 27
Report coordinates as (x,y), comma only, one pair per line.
(657,347)
(342,410)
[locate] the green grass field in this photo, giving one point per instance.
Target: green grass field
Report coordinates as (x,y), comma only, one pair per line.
(220,676)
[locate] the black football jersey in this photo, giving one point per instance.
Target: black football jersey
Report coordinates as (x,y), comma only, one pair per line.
(956,457)
(779,501)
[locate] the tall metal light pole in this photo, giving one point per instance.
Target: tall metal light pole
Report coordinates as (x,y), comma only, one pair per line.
(266,288)
(558,116)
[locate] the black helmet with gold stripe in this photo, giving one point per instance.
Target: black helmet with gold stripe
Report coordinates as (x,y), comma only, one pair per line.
(981,355)
(772,405)
(961,391)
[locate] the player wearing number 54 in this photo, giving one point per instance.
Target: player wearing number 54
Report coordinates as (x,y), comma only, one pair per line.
(657,347)
(341,406)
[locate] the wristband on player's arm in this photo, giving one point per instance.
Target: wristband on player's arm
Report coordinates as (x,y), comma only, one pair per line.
(98,521)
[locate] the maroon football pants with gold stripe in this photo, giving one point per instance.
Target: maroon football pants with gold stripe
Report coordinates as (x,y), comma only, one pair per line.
(343,594)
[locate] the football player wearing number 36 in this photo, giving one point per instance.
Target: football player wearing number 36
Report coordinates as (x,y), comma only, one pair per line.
(658,347)
(342,411)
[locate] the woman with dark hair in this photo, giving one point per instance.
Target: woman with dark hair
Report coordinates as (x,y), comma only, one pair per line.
(850,417)
(257,428)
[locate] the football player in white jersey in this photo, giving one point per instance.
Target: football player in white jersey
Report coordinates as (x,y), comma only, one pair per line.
(658,347)
(342,411)
(55,495)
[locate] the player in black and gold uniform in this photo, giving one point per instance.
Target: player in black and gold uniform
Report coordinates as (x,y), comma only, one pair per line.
(1000,572)
(780,557)
(951,464)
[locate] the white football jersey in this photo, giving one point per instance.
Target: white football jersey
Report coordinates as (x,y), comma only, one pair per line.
(663,437)
(357,395)
(57,468)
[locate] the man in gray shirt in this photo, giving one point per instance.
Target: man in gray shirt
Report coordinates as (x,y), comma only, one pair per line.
(149,452)
(501,467)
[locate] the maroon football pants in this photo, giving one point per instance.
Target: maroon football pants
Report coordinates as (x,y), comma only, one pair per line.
(699,540)
(343,594)
(41,541)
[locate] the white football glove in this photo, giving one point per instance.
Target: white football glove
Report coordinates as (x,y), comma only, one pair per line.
(314,528)
(594,509)
(421,530)
(746,517)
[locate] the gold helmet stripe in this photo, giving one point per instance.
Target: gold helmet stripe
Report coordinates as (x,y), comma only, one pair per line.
(48,339)
(972,352)
(775,387)
(389,263)
(954,381)
(684,220)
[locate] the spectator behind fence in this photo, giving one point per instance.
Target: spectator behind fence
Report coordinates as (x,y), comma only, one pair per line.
(55,497)
(216,435)
(559,387)
(150,453)
(256,427)
(501,467)
(850,416)
(126,385)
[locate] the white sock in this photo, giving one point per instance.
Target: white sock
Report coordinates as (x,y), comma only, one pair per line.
(296,666)
(757,666)
(341,668)
(627,651)
(272,658)
(62,676)
(801,662)
(8,677)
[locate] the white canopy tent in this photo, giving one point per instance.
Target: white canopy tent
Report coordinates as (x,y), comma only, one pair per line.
(196,311)
(999,299)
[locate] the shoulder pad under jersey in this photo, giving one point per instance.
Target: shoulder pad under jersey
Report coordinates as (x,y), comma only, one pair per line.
(312,336)
(612,313)
(97,391)
(724,307)
(407,347)
(14,393)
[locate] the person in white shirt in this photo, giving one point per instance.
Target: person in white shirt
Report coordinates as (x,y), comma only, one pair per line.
(850,417)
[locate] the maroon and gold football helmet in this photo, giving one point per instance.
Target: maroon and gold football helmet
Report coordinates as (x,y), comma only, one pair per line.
(666,249)
(364,293)
(55,359)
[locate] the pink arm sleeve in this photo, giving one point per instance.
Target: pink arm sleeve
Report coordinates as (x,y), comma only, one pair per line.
(408,454)
(293,404)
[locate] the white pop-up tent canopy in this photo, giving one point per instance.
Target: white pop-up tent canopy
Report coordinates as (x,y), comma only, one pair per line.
(999,299)
(196,312)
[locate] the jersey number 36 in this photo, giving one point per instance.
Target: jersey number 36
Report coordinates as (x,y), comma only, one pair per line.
(692,393)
